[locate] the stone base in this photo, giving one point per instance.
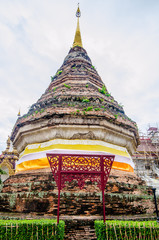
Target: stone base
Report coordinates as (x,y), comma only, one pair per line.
(36,192)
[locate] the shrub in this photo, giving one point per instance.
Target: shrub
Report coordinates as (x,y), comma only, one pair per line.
(126,230)
(31,229)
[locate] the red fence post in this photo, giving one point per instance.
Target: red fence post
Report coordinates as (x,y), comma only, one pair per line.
(59,188)
(102,186)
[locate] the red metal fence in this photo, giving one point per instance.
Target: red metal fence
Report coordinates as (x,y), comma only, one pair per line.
(79,167)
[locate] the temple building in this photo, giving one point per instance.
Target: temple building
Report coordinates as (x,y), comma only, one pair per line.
(8,159)
(75,115)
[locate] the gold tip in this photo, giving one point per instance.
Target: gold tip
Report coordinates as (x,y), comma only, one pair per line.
(77,39)
(19,113)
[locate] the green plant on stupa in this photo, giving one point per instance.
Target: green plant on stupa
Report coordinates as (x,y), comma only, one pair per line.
(67,85)
(85,100)
(103,90)
(59,72)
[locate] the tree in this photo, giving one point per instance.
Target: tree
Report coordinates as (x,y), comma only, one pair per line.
(1,172)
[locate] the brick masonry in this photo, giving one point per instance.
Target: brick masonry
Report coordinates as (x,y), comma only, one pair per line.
(36,192)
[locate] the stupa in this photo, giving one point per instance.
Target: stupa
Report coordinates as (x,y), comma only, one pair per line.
(76,114)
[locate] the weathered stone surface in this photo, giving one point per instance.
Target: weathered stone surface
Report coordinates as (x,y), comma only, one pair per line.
(75,104)
(37,192)
(77,230)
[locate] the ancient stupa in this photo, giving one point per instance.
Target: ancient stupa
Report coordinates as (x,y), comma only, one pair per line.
(76,114)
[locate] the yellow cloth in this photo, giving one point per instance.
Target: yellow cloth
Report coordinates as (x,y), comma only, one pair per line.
(34,155)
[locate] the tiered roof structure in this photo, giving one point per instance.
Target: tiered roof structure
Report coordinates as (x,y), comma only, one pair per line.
(8,159)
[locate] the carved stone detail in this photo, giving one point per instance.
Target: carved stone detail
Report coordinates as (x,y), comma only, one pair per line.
(88,135)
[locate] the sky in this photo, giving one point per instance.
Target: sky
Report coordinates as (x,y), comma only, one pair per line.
(120,36)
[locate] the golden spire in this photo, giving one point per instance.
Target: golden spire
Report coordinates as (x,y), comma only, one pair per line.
(19,113)
(77,39)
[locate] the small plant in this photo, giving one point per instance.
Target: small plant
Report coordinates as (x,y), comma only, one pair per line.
(121,105)
(42,110)
(67,85)
(101,99)
(89,109)
(93,67)
(87,86)
(85,100)
(36,111)
(97,109)
(74,67)
(54,89)
(52,78)
(116,116)
(103,90)
(78,110)
(112,100)
(59,72)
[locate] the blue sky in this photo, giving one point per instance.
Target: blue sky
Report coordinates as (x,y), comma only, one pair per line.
(120,36)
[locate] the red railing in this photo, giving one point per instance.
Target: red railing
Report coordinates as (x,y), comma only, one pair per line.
(79,167)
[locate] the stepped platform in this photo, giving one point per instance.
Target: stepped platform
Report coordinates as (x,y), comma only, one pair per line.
(36,192)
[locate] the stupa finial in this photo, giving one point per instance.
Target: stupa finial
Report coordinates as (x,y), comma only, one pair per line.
(77,39)
(19,113)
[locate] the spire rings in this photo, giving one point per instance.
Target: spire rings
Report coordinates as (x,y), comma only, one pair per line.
(78,12)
